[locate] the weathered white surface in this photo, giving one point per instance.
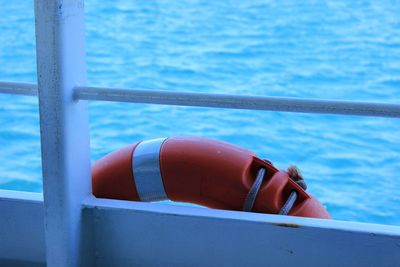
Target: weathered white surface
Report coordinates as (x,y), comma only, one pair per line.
(285,104)
(18,88)
(143,234)
(122,233)
(21,229)
(60,39)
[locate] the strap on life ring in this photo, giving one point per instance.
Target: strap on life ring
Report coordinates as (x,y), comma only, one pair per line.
(201,171)
(146,170)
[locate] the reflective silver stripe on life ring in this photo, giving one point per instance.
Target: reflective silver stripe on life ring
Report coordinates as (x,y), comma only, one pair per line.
(146,170)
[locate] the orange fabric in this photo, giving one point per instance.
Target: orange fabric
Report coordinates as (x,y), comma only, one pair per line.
(112,175)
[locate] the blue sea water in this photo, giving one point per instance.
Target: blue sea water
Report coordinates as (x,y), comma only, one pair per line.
(312,49)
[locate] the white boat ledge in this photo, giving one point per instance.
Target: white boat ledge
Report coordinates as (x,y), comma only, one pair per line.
(124,233)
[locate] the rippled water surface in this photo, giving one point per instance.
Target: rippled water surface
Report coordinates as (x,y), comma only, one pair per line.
(313,49)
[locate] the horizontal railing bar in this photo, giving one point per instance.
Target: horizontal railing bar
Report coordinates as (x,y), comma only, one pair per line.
(283,104)
(18,88)
(239,102)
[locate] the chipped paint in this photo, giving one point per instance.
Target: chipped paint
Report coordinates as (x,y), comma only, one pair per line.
(291,225)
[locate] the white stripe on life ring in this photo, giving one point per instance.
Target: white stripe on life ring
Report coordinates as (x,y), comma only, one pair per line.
(146,170)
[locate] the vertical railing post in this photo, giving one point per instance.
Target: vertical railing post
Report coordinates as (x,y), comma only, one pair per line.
(60,46)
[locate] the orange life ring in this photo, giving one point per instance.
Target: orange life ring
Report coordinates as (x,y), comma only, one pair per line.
(201,171)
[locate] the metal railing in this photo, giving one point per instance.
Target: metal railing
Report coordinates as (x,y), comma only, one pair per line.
(267,103)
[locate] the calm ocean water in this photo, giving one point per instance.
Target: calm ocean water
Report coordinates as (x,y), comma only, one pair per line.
(318,49)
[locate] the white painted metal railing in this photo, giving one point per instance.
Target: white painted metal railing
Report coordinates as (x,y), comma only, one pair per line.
(283,104)
(82,230)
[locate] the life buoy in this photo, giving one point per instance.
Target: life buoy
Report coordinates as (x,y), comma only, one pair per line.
(201,171)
